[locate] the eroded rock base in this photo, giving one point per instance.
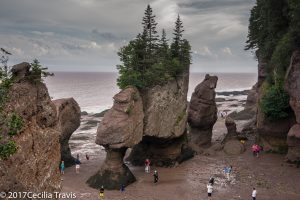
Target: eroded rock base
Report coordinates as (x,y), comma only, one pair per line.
(161,152)
(113,173)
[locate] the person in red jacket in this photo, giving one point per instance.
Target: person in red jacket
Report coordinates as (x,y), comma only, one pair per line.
(147,165)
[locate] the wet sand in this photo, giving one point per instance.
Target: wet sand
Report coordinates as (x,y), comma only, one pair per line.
(273,178)
(270,174)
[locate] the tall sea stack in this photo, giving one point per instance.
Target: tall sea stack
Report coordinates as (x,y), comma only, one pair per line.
(202,112)
(120,128)
(68,117)
(34,166)
(164,134)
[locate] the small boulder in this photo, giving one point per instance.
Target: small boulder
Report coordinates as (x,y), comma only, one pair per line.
(217,147)
(231,130)
(21,70)
(83,113)
(234,147)
(230,125)
(293,141)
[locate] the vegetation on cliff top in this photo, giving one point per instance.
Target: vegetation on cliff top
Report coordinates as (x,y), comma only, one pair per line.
(149,60)
(274,31)
(11,124)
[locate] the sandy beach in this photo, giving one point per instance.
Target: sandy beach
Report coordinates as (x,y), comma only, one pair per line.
(273,178)
(269,173)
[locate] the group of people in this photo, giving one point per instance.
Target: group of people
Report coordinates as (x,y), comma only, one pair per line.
(77,164)
(227,171)
(222,114)
(147,170)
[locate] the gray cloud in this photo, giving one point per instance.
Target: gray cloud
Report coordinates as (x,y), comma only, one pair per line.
(86,34)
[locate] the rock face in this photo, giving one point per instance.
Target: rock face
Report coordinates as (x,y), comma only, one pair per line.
(165,109)
(164,138)
(231,129)
(202,112)
(68,117)
(252,97)
(292,86)
(230,125)
(272,135)
(262,70)
(121,128)
(34,167)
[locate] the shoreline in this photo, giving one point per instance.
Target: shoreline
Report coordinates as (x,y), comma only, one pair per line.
(269,173)
(273,179)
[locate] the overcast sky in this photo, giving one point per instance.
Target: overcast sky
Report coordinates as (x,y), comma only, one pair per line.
(85,35)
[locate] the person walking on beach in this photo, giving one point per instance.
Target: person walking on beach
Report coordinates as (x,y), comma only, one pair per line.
(229,171)
(147,165)
(122,189)
(101,191)
(254,192)
(77,164)
(62,168)
(211,181)
(256,149)
(209,190)
(155,176)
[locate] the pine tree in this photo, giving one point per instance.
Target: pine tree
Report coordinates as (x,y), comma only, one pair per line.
(147,60)
(268,24)
(185,53)
(149,31)
(163,52)
(177,40)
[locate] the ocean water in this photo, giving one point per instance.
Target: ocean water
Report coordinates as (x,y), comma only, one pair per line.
(94,90)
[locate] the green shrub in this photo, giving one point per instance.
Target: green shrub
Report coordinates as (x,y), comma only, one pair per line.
(15,125)
(38,72)
(129,77)
(275,103)
(7,149)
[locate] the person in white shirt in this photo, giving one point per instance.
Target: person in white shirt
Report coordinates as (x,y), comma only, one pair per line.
(254,192)
(209,190)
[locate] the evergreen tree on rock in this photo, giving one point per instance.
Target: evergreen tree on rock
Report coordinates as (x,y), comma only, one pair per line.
(149,32)
(177,40)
